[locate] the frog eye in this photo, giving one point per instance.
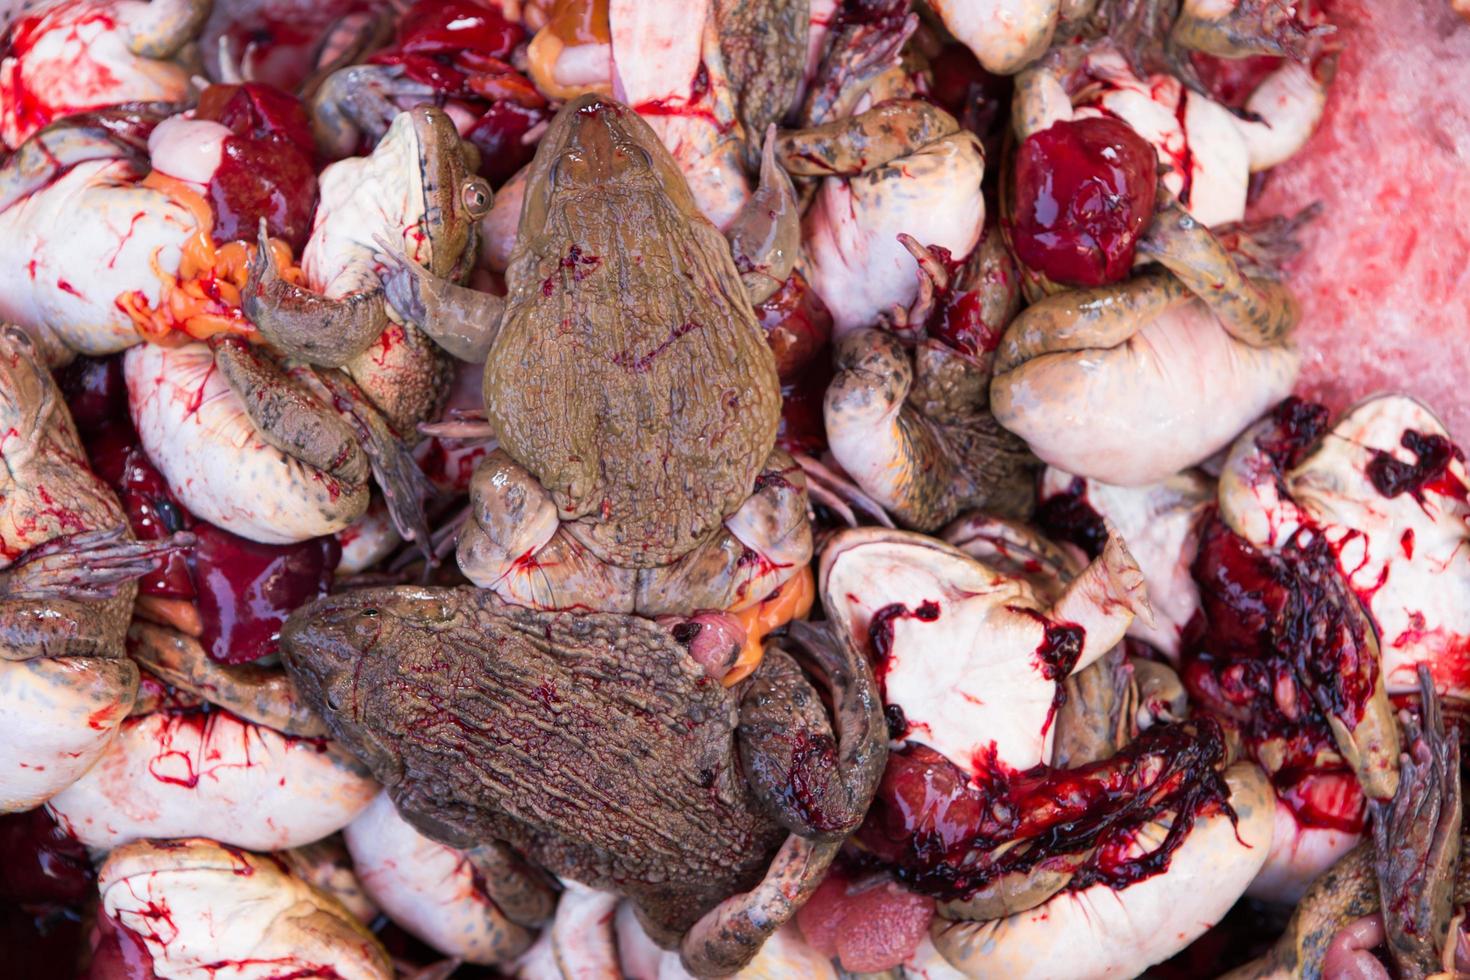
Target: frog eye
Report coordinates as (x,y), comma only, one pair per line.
(476,197)
(370,612)
(334,703)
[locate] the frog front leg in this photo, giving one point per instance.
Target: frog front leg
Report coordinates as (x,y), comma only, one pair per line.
(1254,310)
(775,754)
(305,325)
(461,320)
(287,416)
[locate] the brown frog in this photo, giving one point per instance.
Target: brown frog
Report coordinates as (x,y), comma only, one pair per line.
(376,379)
(630,387)
(66,590)
(605,748)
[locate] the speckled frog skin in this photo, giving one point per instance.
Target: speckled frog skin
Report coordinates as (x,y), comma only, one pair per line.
(630,376)
(596,745)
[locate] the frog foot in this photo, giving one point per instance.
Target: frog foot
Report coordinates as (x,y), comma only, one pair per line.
(839,493)
(1248,27)
(778,754)
(765,235)
(461,320)
(88,566)
(858,53)
(357,104)
(1417,839)
(306,325)
(1262,246)
(163,27)
(405,488)
(924,470)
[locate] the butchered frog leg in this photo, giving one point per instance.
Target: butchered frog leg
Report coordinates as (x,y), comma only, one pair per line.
(1257,311)
(857,144)
(286,415)
(1103,601)
(758,548)
(119,133)
(161,28)
(405,488)
(1086,319)
(360,102)
(461,320)
(924,472)
(514,544)
(765,235)
(1245,27)
(730,935)
(1417,839)
(305,325)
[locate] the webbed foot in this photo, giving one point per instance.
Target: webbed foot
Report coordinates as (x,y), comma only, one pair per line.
(89,566)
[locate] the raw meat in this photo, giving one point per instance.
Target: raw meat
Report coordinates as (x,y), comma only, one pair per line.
(1384,278)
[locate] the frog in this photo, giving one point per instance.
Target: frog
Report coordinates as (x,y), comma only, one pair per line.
(605,748)
(66,589)
(629,386)
(370,379)
(1132,382)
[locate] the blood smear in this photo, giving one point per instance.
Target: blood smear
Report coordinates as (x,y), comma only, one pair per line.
(1384,279)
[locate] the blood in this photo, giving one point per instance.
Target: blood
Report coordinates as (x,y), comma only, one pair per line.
(1279,644)
(880,632)
(798,326)
(1296,426)
(247,589)
(1056,656)
(1381,275)
(802,427)
(978,99)
(153,512)
(1429,471)
(38,90)
(1231,81)
(1084,193)
(1067,516)
(266,169)
(43,863)
(119,954)
(942,833)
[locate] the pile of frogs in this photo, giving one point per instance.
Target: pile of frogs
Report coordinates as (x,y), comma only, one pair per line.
(652,488)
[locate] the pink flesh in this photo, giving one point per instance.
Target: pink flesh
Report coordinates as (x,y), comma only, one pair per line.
(1350,957)
(1384,278)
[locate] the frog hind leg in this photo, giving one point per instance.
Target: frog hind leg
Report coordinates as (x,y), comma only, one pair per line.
(306,325)
(287,416)
(120,133)
(779,692)
(88,566)
(1417,839)
(405,488)
(730,935)
(765,236)
(1248,27)
(165,26)
(462,321)
(1257,311)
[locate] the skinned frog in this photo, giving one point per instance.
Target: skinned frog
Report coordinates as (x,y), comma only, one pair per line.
(603,748)
(632,391)
(914,430)
(66,590)
(381,377)
(1133,382)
